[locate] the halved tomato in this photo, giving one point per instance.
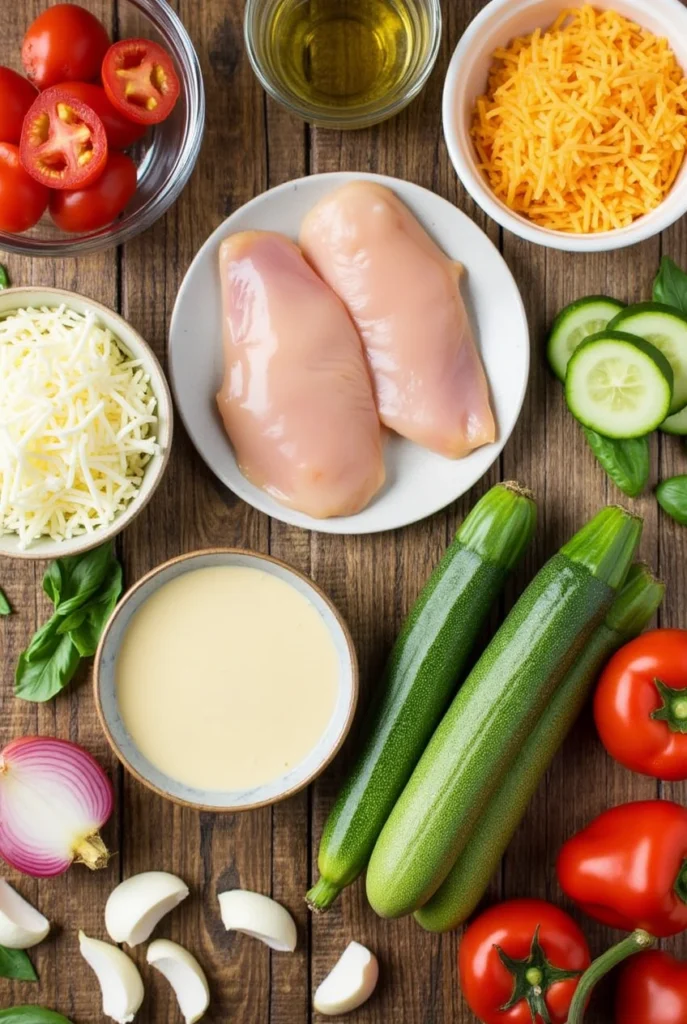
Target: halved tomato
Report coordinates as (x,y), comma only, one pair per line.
(120,131)
(90,208)
(140,81)
(63,142)
(22,200)
(16,96)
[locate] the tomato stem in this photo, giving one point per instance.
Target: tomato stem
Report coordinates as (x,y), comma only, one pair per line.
(673,710)
(635,943)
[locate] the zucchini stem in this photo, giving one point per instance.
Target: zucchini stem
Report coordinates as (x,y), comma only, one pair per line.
(606,544)
(501,525)
(322,895)
(599,968)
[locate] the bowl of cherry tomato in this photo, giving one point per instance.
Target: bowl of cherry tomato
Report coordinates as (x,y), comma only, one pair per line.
(99,130)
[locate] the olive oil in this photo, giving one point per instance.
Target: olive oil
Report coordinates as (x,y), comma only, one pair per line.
(337,55)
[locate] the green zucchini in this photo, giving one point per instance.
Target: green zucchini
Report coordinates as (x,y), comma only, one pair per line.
(420,678)
(467,882)
(495,710)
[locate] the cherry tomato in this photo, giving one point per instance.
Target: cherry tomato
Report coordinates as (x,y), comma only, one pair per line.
(140,80)
(628,868)
(640,705)
(16,96)
(121,133)
(64,43)
(22,200)
(63,143)
(652,989)
(86,209)
(520,962)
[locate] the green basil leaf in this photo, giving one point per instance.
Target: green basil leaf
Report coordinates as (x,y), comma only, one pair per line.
(72,621)
(626,461)
(44,640)
(87,634)
(31,1015)
(5,606)
(672,497)
(14,963)
(71,582)
(44,677)
(670,286)
(4,277)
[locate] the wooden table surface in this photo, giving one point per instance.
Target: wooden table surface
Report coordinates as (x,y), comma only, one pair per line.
(250,144)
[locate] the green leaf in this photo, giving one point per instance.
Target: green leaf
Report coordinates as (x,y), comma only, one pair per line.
(31,1015)
(672,497)
(670,286)
(4,277)
(14,963)
(44,676)
(626,461)
(71,582)
(87,634)
(5,606)
(72,621)
(44,640)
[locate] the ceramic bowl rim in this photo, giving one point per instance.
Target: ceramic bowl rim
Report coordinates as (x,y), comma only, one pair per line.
(345,726)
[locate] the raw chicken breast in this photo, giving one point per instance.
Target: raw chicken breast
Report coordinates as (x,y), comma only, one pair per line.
(297,399)
(404,296)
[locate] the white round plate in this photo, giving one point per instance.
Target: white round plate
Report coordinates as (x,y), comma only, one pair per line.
(418,482)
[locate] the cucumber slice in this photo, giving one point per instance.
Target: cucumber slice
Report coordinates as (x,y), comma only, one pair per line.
(666,328)
(574,324)
(619,385)
(676,424)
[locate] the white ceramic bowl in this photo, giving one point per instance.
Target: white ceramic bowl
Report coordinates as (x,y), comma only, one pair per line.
(496,25)
(104,681)
(15,298)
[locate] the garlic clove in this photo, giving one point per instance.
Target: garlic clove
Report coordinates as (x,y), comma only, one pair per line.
(184,974)
(350,983)
(260,917)
(120,983)
(21,925)
(136,906)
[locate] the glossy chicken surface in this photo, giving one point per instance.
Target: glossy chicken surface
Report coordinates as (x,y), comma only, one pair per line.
(297,400)
(404,296)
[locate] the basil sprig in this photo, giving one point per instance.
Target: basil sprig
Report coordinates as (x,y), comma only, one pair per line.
(5,606)
(670,286)
(84,590)
(15,963)
(31,1015)
(672,497)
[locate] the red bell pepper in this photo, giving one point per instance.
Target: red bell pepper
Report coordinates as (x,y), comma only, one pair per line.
(628,868)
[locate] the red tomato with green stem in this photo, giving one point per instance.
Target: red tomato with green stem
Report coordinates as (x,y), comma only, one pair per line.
(652,989)
(121,133)
(90,208)
(140,81)
(640,705)
(520,962)
(63,142)
(628,868)
(16,96)
(22,200)
(64,43)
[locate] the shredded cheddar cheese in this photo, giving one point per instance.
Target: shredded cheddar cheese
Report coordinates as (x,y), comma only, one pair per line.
(584,126)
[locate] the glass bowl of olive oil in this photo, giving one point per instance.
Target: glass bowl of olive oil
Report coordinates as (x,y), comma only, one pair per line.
(343,63)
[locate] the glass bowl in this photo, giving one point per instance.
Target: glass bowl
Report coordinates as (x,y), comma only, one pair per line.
(166,155)
(261,23)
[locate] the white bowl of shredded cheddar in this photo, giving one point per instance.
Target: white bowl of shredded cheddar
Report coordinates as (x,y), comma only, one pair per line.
(85,423)
(567,123)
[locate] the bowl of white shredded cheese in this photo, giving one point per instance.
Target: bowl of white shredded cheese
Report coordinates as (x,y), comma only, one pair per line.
(85,423)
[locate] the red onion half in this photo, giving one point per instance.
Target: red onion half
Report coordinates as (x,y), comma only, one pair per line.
(54,797)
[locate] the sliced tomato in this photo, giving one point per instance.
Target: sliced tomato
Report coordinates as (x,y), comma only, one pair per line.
(22,200)
(63,142)
(121,133)
(16,96)
(140,80)
(65,42)
(90,208)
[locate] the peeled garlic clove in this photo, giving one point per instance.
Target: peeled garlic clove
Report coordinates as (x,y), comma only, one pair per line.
(21,925)
(184,974)
(136,906)
(260,917)
(118,977)
(350,983)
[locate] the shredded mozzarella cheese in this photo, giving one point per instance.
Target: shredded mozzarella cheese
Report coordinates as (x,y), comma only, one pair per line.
(584,126)
(77,424)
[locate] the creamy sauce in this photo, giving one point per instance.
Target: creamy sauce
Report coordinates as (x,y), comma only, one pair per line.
(226,678)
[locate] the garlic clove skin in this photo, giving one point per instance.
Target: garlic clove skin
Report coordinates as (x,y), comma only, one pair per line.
(260,917)
(350,983)
(21,925)
(139,903)
(185,975)
(120,983)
